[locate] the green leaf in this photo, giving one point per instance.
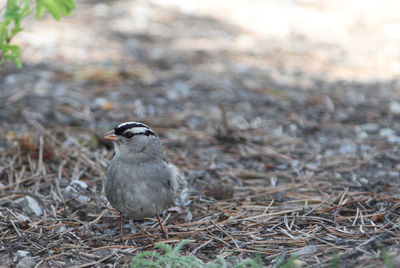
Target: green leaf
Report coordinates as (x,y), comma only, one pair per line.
(3,32)
(179,246)
(10,49)
(17,62)
(70,4)
(15,12)
(167,248)
(53,8)
(66,7)
(11,52)
(335,260)
(290,262)
(25,11)
(144,263)
(386,258)
(12,9)
(15,50)
(39,11)
(15,30)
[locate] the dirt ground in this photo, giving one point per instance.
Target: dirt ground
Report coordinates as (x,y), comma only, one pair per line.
(287,144)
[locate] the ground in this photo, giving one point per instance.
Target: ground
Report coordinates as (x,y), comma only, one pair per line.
(286,146)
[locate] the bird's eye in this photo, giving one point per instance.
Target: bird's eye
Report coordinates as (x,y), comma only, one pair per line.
(128,135)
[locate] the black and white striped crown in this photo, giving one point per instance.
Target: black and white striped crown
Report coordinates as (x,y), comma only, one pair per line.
(130,129)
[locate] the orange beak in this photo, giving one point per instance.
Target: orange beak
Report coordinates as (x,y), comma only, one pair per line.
(110,136)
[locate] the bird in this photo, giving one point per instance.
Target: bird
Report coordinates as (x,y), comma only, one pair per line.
(140,181)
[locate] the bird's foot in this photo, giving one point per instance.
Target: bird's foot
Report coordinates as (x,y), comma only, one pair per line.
(163,229)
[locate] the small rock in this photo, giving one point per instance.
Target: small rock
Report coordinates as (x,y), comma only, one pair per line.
(22,217)
(292,127)
(22,253)
(380,174)
(273,180)
(27,262)
(393,139)
(139,108)
(282,166)
(258,122)
(312,166)
(103,103)
(299,263)
(342,116)
(62,229)
(338,175)
(295,164)
(370,127)
(42,87)
(348,149)
(390,135)
(386,132)
(364,148)
(364,181)
(76,190)
(59,90)
(239,122)
(305,250)
(330,106)
(11,79)
(363,135)
(179,90)
(394,107)
(30,206)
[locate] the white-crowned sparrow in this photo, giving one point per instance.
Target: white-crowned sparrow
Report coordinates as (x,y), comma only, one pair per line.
(140,181)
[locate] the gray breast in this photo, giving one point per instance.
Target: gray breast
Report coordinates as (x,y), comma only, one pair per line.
(140,190)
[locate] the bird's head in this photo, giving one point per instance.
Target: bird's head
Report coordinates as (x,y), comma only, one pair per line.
(133,139)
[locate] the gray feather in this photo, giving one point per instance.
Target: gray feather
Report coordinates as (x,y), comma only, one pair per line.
(140,182)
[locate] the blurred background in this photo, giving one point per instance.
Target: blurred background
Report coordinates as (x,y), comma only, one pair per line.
(335,39)
(181,49)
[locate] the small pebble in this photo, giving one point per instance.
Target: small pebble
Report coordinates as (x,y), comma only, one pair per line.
(27,262)
(386,132)
(394,107)
(370,127)
(30,206)
(305,250)
(22,253)
(22,217)
(76,190)
(348,149)
(364,181)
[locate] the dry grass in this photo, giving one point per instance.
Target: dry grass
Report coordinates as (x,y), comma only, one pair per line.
(311,217)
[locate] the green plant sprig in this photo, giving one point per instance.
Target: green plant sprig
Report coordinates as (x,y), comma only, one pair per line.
(170,258)
(15,12)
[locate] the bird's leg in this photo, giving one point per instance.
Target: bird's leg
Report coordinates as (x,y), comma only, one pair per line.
(163,230)
(120,225)
(132,226)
